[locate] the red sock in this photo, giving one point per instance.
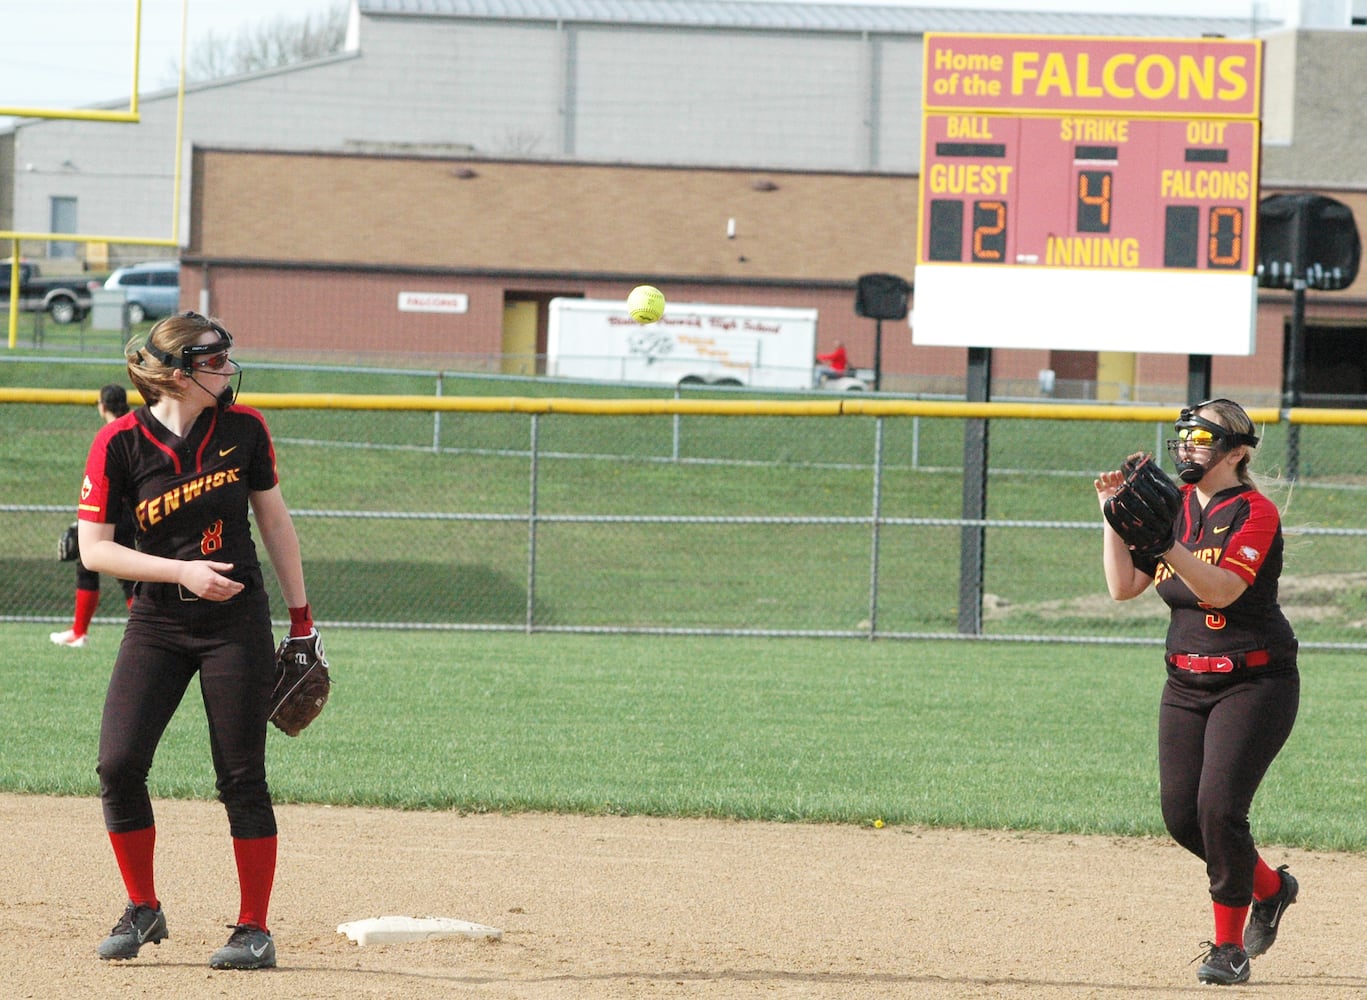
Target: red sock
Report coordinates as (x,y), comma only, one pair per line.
(86,603)
(255,876)
(1229,924)
(133,851)
(1267,881)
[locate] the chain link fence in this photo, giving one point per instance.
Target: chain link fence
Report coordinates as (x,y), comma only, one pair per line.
(712,513)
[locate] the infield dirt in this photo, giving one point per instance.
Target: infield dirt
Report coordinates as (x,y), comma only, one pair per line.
(630,907)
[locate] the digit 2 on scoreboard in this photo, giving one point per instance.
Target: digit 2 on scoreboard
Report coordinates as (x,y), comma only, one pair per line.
(987,239)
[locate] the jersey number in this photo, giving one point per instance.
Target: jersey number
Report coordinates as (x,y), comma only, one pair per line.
(213,539)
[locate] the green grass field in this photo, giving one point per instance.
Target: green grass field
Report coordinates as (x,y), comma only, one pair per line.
(974,734)
(960,734)
(596,574)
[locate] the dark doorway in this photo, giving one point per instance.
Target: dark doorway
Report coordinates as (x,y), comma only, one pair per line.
(1335,365)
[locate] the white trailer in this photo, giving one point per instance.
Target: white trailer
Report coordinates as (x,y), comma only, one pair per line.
(692,344)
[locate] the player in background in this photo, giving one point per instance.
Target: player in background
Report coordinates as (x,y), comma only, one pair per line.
(113,403)
(189,464)
(1233,687)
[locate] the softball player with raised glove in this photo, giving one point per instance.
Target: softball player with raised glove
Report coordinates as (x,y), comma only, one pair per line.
(189,464)
(1233,687)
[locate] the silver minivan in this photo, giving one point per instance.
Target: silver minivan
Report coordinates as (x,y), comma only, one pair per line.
(152,290)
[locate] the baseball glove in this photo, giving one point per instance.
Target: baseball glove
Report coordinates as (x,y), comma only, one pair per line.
(301,682)
(1143,509)
(68,545)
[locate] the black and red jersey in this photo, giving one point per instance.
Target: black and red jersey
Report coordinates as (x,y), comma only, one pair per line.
(1241,531)
(188,496)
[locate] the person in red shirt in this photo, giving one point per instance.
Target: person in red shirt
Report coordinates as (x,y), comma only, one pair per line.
(835,363)
(1233,686)
(190,464)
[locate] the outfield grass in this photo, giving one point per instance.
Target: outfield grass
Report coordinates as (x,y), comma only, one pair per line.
(972,734)
(960,734)
(596,574)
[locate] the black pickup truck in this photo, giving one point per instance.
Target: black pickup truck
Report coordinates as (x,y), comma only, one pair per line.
(66,300)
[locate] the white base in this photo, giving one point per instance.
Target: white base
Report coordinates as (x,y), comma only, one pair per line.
(395,930)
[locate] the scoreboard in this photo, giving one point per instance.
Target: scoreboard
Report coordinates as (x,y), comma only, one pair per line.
(1087,194)
(1078,192)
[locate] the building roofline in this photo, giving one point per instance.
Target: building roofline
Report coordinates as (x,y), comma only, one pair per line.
(788,15)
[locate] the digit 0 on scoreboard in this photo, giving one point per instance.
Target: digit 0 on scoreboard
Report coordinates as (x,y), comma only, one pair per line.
(1224,244)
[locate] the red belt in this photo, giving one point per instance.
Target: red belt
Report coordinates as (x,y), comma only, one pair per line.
(1220,664)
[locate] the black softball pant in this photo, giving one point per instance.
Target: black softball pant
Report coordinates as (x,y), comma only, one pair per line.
(90,580)
(164,645)
(1214,746)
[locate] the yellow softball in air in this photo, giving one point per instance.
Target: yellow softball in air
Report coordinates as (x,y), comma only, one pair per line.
(646,303)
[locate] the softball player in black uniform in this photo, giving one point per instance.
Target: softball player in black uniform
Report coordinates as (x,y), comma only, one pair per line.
(188,464)
(112,405)
(1233,687)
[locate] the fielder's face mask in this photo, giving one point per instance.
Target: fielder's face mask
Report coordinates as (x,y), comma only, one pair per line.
(1213,441)
(211,358)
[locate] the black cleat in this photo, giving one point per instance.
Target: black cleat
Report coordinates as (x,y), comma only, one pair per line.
(1225,965)
(138,926)
(1265,916)
(248,948)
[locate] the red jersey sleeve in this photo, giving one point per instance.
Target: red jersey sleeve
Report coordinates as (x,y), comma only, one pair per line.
(261,473)
(103,478)
(1250,543)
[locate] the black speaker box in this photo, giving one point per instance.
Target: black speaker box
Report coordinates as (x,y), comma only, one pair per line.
(881,296)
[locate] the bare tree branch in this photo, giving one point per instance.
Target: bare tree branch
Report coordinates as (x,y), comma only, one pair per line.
(279,41)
